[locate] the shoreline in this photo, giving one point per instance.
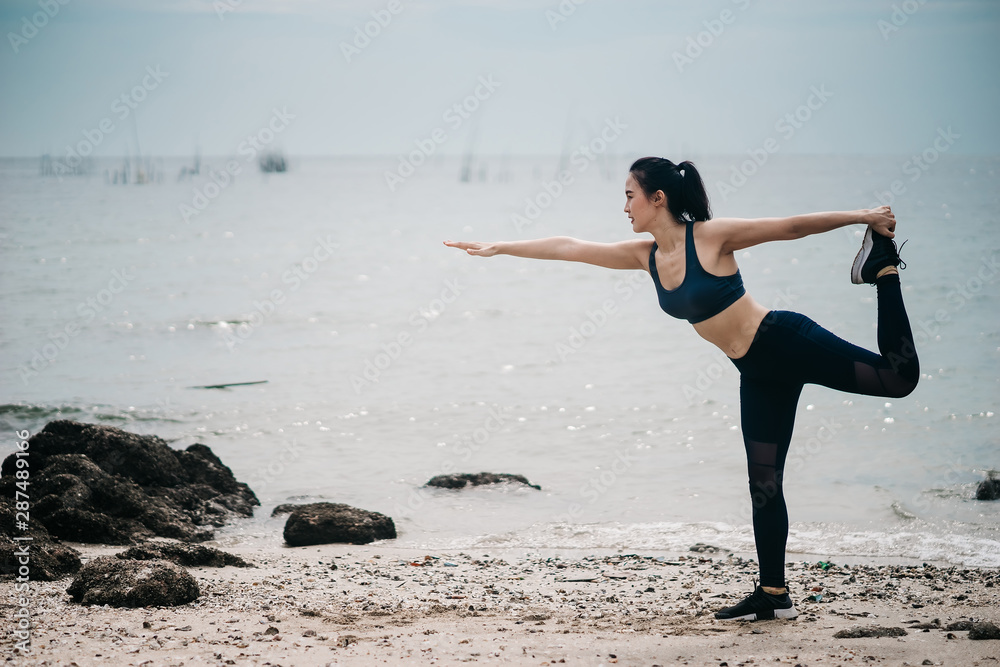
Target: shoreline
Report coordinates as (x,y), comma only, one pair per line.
(268,543)
(394,605)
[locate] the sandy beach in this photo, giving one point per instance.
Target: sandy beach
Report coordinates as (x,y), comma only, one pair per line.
(376,604)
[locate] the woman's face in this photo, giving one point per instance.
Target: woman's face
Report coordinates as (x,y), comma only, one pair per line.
(641,211)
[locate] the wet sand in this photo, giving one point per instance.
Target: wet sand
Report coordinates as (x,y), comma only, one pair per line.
(354,605)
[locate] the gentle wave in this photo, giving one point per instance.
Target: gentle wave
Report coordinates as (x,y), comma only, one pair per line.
(26,414)
(958,546)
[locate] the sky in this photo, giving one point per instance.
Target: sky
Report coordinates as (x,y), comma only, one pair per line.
(528,76)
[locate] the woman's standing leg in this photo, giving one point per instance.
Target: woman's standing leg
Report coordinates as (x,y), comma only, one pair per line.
(767,416)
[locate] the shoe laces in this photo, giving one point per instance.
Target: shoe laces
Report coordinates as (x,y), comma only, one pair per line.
(902,264)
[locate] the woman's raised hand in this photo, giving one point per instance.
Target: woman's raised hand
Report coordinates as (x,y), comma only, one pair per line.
(474,247)
(882,220)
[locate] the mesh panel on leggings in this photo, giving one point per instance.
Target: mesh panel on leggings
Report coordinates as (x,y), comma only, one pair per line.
(881,381)
(762,462)
(770,515)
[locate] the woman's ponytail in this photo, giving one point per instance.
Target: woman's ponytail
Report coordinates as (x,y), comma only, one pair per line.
(687,199)
(694,197)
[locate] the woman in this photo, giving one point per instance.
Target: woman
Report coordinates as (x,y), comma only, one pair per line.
(691,261)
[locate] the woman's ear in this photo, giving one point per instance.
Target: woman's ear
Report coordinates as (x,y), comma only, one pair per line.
(659,198)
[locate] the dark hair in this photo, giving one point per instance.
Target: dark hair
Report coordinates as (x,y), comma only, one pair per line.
(681,183)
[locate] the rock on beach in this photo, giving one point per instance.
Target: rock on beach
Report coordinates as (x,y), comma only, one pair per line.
(48,558)
(133,583)
(988,489)
(984,630)
(870,631)
(326,523)
(99,484)
(461,480)
(187,555)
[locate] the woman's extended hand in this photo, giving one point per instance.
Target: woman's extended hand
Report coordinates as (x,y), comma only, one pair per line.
(474,247)
(882,220)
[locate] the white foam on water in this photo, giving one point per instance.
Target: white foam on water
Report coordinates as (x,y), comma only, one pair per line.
(955,547)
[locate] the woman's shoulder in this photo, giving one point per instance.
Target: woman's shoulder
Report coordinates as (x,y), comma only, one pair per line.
(717,228)
(714,234)
(720,223)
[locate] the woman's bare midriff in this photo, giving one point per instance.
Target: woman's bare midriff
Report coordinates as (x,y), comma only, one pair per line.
(733,330)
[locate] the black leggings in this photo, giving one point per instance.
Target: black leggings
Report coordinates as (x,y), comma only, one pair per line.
(789,351)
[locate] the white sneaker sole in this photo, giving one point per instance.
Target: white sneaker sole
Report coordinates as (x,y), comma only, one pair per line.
(859,260)
(785,614)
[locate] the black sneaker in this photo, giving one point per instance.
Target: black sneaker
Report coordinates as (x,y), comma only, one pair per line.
(759,606)
(877,252)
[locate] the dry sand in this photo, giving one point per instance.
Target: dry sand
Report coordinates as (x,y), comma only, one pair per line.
(353,605)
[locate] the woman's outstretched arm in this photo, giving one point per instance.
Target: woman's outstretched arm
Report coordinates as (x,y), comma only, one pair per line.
(621,255)
(735,234)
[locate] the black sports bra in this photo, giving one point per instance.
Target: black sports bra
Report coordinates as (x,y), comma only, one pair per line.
(700,295)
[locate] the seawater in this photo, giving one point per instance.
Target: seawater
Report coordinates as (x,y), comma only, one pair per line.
(390,358)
